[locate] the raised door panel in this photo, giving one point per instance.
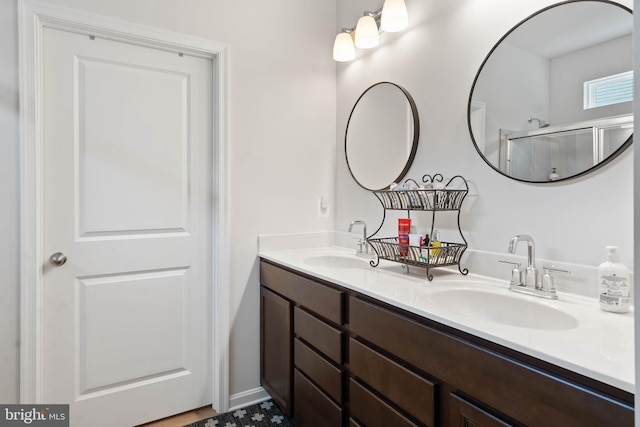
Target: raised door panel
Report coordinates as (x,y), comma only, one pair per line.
(275,348)
(132,149)
(143,340)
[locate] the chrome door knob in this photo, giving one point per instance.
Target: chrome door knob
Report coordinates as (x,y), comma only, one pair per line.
(58,259)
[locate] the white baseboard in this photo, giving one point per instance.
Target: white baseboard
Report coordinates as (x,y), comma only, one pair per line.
(246,398)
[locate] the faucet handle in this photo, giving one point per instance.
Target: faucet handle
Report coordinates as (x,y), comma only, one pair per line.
(554,270)
(516,274)
(547,278)
(517,264)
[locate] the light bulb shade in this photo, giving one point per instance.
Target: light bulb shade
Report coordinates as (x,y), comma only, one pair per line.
(367,33)
(343,49)
(394,16)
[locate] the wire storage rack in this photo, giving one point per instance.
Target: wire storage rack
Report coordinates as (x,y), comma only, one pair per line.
(431,196)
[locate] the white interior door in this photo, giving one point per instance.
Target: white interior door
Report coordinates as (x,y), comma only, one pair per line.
(127,173)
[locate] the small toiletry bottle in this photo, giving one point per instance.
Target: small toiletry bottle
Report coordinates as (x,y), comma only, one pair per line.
(404,226)
(613,281)
(424,251)
(435,243)
(404,229)
(553,176)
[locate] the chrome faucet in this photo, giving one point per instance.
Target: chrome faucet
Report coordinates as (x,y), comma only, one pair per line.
(363,246)
(531,273)
(531,284)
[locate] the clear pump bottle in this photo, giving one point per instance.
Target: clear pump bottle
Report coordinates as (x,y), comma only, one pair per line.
(613,281)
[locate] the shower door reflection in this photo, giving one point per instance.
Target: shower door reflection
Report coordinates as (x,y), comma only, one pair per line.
(559,152)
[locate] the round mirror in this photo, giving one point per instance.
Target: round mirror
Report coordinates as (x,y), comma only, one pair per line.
(553,98)
(382,136)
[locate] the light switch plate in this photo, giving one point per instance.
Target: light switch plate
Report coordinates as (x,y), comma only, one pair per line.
(323,207)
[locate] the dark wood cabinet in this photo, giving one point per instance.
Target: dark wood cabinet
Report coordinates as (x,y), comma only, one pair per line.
(276,348)
(335,357)
(302,362)
(503,381)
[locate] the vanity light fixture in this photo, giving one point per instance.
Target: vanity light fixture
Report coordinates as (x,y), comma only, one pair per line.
(367,35)
(394,16)
(391,17)
(343,48)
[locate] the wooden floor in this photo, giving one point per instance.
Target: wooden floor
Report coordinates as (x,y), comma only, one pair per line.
(183,419)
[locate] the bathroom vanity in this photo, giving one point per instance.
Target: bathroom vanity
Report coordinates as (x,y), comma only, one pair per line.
(344,344)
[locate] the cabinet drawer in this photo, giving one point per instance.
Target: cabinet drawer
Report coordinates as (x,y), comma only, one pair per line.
(317,333)
(392,332)
(371,411)
(312,407)
(464,413)
(327,376)
(321,299)
(406,389)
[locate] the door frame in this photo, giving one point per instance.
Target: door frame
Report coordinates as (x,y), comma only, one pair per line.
(33,17)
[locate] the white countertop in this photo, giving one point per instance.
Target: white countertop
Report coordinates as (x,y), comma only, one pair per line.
(601,346)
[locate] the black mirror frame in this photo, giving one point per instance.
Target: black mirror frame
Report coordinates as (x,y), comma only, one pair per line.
(414,145)
(606,161)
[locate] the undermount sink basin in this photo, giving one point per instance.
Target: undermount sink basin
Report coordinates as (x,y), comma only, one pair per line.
(506,309)
(337,261)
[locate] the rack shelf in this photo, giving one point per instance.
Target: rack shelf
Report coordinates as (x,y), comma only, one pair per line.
(447,197)
(421,200)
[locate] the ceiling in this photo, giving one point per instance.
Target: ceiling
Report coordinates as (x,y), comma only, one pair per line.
(570,27)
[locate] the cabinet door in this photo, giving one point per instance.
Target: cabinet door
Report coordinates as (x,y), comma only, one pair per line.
(465,414)
(276,348)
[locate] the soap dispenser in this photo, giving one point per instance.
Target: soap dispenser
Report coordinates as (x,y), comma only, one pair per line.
(613,282)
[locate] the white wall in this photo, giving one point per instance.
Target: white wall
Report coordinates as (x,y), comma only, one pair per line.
(9,222)
(282,142)
(436,60)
